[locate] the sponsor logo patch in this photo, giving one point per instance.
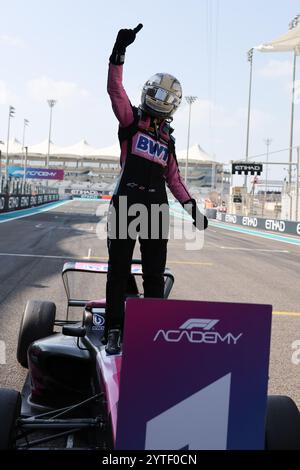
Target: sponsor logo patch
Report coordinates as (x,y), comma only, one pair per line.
(146,147)
(98,321)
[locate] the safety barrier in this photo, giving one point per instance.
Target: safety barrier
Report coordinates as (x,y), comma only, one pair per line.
(11,202)
(270,225)
(88,193)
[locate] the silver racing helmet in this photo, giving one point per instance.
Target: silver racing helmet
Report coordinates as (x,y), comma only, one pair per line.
(161,95)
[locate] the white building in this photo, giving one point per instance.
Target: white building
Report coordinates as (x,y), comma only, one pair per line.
(83,161)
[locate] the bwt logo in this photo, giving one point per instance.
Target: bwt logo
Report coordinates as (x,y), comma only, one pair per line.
(152,148)
(197,331)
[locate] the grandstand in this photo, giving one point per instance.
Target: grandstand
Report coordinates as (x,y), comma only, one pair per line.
(88,167)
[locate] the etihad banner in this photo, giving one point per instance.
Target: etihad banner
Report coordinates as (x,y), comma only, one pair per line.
(36,173)
(270,225)
(247,169)
(89,193)
(194,375)
(24,201)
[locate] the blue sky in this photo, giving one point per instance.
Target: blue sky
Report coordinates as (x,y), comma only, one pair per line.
(60,49)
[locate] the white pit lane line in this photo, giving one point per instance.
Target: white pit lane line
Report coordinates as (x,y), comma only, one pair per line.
(25,255)
(260,250)
(22,213)
(211,245)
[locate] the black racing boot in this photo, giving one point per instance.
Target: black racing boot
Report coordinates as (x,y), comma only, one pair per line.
(113,345)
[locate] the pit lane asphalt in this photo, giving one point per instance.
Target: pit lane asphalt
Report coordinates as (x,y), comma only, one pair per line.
(232,267)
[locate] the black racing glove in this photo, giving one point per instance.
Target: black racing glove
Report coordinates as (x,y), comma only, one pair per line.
(200,220)
(125,38)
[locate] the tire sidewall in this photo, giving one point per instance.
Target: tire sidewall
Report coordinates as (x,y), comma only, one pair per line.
(10,410)
(37,323)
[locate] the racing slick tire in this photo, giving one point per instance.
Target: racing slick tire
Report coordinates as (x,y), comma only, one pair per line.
(37,323)
(10,409)
(282,424)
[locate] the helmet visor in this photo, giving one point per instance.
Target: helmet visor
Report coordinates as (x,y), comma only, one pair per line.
(162,95)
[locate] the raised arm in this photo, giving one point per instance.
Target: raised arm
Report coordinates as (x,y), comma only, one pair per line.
(119,99)
(175,181)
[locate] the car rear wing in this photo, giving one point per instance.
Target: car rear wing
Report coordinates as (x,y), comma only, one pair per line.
(101,267)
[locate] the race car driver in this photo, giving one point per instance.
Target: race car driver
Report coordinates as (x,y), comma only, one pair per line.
(148,161)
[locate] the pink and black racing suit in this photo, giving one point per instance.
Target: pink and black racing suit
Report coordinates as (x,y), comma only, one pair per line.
(148,162)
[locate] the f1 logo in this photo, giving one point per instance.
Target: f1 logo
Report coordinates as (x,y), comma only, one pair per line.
(198,323)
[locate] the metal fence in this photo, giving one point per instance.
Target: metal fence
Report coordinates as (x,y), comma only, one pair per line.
(16,186)
(258,205)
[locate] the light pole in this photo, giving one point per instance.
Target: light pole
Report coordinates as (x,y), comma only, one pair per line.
(250,60)
(190,100)
(25,166)
(1,143)
(293,24)
(51,104)
(297,183)
(26,123)
(11,112)
(268,142)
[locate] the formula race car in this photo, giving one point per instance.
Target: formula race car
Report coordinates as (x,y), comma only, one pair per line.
(71,392)
(70,397)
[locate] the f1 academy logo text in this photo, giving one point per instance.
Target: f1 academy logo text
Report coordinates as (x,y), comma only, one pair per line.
(197,331)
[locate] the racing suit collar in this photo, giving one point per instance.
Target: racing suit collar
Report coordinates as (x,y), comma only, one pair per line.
(164,128)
